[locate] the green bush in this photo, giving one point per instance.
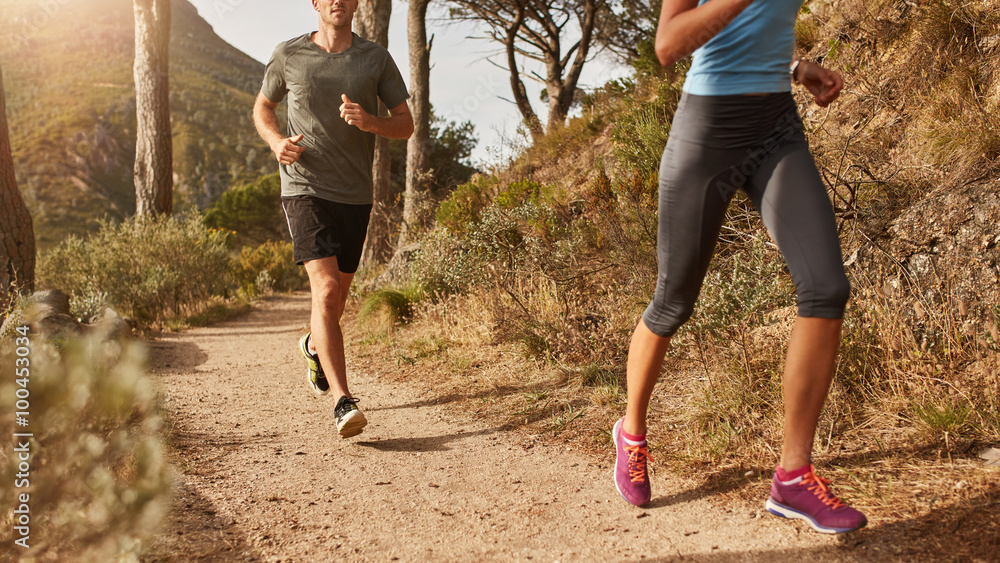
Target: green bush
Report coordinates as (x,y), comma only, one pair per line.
(252,210)
(641,131)
(466,203)
(149,269)
(267,267)
(390,306)
(98,480)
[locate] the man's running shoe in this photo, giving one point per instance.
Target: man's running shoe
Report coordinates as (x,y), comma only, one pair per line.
(631,476)
(808,497)
(317,379)
(350,420)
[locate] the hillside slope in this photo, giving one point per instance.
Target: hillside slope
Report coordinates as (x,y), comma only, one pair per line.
(910,151)
(68,75)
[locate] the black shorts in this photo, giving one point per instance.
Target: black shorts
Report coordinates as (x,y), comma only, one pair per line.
(322,228)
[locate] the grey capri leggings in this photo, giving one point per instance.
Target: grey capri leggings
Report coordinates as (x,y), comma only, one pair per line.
(721,144)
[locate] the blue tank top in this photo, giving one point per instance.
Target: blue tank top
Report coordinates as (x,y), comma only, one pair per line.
(750,55)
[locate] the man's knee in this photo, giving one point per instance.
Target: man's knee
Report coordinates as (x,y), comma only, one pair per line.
(326,293)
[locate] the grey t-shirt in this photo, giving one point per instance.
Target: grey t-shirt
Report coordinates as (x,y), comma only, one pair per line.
(337,162)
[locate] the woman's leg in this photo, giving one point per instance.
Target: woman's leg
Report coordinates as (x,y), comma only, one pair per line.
(809,366)
(692,206)
(645,358)
(797,212)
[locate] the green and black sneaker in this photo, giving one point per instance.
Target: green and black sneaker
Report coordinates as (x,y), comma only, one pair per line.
(317,379)
(350,420)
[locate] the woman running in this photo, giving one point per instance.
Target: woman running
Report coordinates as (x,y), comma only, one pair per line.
(737,128)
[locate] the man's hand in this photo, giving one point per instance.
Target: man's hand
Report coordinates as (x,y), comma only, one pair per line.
(825,85)
(355,115)
(287,150)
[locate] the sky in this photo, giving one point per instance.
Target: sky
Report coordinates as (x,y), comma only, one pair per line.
(465,85)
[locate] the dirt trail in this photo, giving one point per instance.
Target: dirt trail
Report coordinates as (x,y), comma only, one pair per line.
(264,476)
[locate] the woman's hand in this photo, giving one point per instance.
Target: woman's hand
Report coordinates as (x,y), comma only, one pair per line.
(822,83)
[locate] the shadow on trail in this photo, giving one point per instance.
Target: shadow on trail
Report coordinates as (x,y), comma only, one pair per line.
(429,402)
(195,531)
(429,444)
(965,531)
(715,483)
(168,355)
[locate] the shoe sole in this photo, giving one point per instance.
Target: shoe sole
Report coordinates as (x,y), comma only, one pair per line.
(783,511)
(306,355)
(614,474)
(352,424)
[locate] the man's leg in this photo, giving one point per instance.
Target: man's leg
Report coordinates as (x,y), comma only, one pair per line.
(330,288)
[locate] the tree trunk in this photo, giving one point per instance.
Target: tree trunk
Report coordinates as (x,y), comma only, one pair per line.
(371,21)
(535,30)
(154,145)
(516,84)
(418,147)
(564,87)
(17,237)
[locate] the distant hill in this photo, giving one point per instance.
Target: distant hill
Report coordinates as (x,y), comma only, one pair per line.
(71,105)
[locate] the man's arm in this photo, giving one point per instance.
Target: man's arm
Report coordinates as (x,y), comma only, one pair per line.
(399,124)
(265,119)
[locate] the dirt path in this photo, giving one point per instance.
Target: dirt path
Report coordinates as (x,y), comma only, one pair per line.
(264,477)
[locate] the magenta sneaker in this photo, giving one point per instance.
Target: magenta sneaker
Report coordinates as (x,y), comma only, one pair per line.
(631,477)
(808,497)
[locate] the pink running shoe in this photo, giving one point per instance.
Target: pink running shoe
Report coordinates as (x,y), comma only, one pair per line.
(631,477)
(808,497)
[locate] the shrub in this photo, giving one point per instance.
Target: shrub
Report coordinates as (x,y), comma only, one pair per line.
(268,267)
(98,479)
(253,211)
(149,269)
(390,306)
(465,204)
(641,131)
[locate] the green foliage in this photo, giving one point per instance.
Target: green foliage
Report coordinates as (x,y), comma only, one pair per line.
(740,290)
(942,415)
(623,222)
(597,375)
(466,202)
(267,267)
(451,146)
(252,211)
(518,193)
(149,269)
(646,63)
(98,480)
(450,153)
(390,306)
(641,130)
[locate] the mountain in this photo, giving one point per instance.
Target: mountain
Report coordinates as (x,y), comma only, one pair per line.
(67,68)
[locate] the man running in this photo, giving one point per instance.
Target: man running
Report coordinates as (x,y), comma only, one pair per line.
(333,80)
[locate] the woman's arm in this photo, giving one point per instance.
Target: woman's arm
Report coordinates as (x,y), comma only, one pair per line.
(684,25)
(822,83)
